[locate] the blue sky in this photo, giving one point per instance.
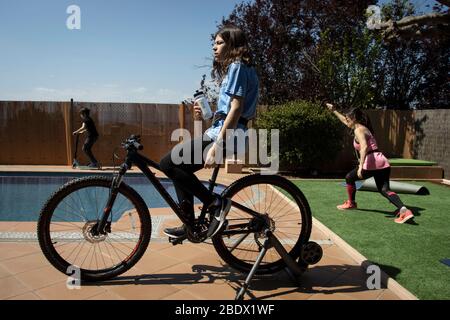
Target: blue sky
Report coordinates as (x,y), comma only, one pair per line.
(126,51)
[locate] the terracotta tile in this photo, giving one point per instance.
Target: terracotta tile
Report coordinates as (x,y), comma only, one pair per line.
(181,276)
(11,286)
(24,227)
(158,246)
(316,234)
(148,290)
(12,250)
(133,272)
(4,272)
(218,273)
(333,264)
(315,278)
(107,295)
(7,225)
(42,277)
(166,212)
(182,252)
(365,295)
(206,246)
(336,252)
(59,291)
(293,295)
(207,291)
(25,296)
(388,295)
(353,287)
(205,259)
(153,261)
(334,296)
(181,295)
(25,263)
(271,287)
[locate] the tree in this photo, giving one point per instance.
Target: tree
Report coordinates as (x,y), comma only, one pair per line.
(414,72)
(348,68)
(314,50)
(283,33)
(432,25)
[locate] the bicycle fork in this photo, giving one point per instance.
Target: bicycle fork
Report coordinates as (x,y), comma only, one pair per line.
(117,180)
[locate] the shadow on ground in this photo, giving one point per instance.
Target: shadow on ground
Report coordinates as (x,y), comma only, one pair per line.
(328,279)
(392,214)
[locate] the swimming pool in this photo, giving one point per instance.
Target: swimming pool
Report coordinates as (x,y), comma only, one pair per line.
(22,195)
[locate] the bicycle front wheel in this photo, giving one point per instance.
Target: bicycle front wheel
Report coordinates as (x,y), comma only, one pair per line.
(285,207)
(67,222)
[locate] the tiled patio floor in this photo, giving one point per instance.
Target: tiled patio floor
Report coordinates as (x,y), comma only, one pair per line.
(182,272)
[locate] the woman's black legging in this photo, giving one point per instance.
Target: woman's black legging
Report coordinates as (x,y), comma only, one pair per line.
(186,184)
(381,177)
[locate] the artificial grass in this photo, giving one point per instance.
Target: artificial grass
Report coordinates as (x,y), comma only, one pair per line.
(411,252)
(411,162)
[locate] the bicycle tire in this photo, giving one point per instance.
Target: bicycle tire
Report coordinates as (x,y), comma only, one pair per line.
(60,199)
(273,183)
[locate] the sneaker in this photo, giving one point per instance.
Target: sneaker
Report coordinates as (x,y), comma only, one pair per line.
(94,165)
(347,205)
(218,211)
(175,233)
(403,217)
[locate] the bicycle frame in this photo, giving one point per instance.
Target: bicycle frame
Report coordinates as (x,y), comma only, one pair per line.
(133,157)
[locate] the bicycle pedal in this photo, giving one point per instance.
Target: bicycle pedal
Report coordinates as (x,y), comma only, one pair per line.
(177,241)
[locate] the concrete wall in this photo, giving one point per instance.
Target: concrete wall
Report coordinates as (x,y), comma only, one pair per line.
(432,137)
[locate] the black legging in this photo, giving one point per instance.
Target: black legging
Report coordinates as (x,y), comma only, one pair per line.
(186,184)
(88,143)
(381,177)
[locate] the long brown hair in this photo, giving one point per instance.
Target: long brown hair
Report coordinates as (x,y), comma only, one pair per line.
(236,49)
(360,117)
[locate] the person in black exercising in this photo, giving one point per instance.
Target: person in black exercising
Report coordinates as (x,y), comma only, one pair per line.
(92,136)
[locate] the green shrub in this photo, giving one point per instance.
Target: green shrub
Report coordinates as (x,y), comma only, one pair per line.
(310,135)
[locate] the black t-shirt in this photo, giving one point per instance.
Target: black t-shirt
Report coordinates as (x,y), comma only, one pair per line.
(90,127)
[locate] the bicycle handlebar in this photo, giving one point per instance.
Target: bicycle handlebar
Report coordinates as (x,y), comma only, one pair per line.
(133,142)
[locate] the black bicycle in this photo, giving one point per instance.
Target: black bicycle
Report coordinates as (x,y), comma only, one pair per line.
(103,226)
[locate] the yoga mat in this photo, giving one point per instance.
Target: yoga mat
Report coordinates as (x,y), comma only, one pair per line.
(398,187)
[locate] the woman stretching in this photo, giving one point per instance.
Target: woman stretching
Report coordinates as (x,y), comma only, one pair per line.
(372,163)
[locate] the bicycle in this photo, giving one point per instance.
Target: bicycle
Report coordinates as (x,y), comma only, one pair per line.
(103,226)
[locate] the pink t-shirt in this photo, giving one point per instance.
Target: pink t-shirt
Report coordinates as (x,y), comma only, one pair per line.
(375,160)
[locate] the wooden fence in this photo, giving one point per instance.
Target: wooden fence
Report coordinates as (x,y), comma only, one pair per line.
(40,133)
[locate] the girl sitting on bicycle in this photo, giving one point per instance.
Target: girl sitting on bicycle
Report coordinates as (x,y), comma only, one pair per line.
(238,94)
(372,163)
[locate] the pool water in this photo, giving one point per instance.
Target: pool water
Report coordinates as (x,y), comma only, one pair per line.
(22,196)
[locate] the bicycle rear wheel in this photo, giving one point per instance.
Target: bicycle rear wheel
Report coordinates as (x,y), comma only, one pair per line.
(290,218)
(67,220)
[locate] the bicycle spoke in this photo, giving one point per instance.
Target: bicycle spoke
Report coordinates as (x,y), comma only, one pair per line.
(238,242)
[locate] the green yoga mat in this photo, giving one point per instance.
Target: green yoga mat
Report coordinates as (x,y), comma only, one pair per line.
(396,162)
(398,187)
